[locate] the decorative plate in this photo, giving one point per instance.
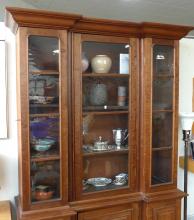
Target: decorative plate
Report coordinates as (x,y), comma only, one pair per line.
(99,181)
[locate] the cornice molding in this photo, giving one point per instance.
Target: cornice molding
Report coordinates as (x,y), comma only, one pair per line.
(157,30)
(20,17)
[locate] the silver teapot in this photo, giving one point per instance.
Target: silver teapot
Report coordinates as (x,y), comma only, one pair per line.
(119,136)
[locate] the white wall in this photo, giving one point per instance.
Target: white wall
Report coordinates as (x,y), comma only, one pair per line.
(9,146)
(185,104)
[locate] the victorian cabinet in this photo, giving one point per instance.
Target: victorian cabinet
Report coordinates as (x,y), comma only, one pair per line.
(97,117)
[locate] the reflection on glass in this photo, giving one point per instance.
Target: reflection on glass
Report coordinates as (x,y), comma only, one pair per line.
(162,114)
(162,94)
(45,180)
(44,117)
(163,59)
(162,130)
(161,167)
(43,53)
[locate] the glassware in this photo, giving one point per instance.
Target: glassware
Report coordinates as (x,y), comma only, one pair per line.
(119,136)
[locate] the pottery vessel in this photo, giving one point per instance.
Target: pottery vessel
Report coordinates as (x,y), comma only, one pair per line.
(98,94)
(101,64)
(85,63)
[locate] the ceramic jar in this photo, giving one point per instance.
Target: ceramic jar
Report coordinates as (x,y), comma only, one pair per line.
(98,94)
(85,63)
(101,64)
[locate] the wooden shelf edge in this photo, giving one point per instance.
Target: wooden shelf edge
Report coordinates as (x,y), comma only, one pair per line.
(5,210)
(190,163)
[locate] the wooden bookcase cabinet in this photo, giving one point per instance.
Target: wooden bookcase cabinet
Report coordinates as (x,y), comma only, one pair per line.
(61,123)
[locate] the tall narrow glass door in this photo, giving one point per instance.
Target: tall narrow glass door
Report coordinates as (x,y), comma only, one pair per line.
(43,56)
(105,115)
(162,114)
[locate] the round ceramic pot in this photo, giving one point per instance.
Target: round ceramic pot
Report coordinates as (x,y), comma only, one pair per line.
(101,64)
(85,63)
(98,94)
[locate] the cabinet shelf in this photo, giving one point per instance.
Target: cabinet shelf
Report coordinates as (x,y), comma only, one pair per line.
(105,113)
(115,75)
(45,72)
(161,148)
(163,76)
(44,115)
(162,110)
(44,105)
(44,158)
(105,108)
(109,187)
(98,153)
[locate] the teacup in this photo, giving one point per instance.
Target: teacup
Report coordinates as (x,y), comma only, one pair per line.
(121,178)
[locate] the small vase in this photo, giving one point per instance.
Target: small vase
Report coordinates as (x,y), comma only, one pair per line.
(98,94)
(85,63)
(101,64)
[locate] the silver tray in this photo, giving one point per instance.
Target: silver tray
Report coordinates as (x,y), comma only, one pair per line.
(119,183)
(99,181)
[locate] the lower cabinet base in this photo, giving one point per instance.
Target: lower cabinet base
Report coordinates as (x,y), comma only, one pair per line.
(154,206)
(123,212)
(163,206)
(168,210)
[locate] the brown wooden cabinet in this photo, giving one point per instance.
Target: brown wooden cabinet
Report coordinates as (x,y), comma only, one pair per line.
(97,117)
(124,212)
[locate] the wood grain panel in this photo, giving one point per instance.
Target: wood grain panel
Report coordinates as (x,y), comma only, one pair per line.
(125,212)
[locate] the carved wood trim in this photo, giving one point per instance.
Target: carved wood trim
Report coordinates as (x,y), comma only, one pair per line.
(20,17)
(169,31)
(161,196)
(104,202)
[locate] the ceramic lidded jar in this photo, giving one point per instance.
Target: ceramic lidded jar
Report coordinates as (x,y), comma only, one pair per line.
(85,62)
(101,64)
(98,94)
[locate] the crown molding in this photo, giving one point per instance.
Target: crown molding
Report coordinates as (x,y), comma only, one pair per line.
(20,17)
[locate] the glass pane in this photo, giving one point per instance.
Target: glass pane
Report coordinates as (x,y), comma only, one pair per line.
(163,57)
(105,93)
(162,94)
(105,102)
(162,129)
(45,177)
(162,116)
(44,93)
(105,57)
(44,117)
(43,53)
(44,136)
(161,167)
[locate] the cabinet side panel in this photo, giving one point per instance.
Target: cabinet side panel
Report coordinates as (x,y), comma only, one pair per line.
(22,108)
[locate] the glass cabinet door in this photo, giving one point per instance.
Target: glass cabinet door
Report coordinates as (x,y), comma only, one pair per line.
(104,113)
(162,114)
(44,117)
(105,101)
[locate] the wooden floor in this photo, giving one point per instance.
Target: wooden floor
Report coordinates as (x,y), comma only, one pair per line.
(5,210)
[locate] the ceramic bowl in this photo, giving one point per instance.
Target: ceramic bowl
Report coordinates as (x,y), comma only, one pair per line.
(41,195)
(43,144)
(43,192)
